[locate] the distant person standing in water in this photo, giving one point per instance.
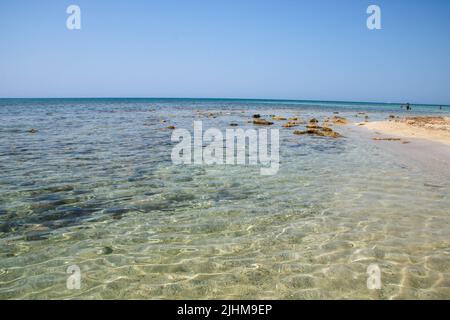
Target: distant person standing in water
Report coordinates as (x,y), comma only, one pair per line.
(408,107)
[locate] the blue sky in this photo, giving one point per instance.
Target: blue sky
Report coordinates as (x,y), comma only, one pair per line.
(315,49)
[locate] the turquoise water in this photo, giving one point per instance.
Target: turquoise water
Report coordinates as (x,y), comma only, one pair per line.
(95,187)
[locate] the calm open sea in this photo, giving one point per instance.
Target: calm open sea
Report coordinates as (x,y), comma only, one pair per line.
(95,187)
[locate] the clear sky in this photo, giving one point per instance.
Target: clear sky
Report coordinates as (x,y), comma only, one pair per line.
(315,49)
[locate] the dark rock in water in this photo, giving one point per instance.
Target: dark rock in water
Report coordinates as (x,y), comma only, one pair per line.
(313,120)
(171,127)
(432,185)
(233,124)
(6,227)
(180,196)
(256,116)
(106,250)
(116,211)
(227,195)
(386,139)
(32,130)
(2,211)
(36,236)
(153,206)
(183,178)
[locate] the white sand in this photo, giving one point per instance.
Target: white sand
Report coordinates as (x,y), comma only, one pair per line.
(410,130)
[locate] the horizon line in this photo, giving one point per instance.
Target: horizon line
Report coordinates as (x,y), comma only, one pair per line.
(218,98)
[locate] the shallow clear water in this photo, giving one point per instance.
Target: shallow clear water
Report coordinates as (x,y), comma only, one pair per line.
(95,187)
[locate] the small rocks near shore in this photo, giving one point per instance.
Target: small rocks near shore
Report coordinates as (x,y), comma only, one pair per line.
(339,120)
(293,123)
(32,130)
(391,139)
(386,139)
(262,122)
(319,132)
(313,126)
(315,130)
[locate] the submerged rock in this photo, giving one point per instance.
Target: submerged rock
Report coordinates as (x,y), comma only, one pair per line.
(32,130)
(171,127)
(106,250)
(319,131)
(262,122)
(256,116)
(331,134)
(233,124)
(386,139)
(339,120)
(36,236)
(278,118)
(293,122)
(313,120)
(290,124)
(309,131)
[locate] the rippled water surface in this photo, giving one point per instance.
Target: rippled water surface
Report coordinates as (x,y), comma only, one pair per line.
(95,187)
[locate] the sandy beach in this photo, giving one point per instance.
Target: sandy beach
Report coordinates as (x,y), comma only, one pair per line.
(429,128)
